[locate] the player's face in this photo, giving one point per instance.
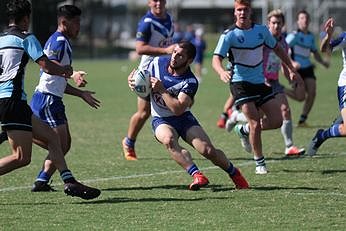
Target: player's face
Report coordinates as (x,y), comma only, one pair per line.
(157,7)
(73,27)
(242,14)
(303,21)
(275,25)
(179,58)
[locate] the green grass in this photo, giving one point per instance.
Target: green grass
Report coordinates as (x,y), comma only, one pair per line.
(151,194)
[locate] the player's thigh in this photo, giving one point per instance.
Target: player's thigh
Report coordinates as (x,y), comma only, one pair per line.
(272,110)
(143,105)
(20,142)
(310,85)
(198,138)
(282,99)
(166,134)
(42,132)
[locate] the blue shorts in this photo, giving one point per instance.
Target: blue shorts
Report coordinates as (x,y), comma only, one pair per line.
(49,108)
(180,123)
(276,86)
(342,97)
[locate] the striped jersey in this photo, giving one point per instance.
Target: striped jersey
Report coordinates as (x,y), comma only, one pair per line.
(186,83)
(157,32)
(301,44)
(340,43)
(16,47)
(244,48)
(57,48)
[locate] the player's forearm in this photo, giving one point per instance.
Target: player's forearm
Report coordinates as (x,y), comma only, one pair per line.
(150,50)
(72,91)
(325,44)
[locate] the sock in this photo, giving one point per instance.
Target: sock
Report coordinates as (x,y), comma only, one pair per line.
(286,131)
(241,117)
(67,176)
(338,120)
(260,161)
(231,169)
(302,118)
(245,129)
(192,170)
(333,131)
(224,115)
(43,176)
(130,142)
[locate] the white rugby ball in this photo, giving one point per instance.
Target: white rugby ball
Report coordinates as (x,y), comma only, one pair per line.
(142,84)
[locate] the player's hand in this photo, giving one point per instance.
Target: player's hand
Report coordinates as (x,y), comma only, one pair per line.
(170,49)
(88,97)
(130,80)
(329,26)
(156,85)
(79,78)
(226,76)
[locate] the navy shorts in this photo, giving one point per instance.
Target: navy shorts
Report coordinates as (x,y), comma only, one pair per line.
(307,72)
(276,86)
(244,92)
(180,123)
(15,115)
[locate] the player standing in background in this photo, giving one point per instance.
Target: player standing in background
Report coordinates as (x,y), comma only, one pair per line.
(173,90)
(244,45)
(271,67)
(16,47)
(338,128)
(302,44)
(200,44)
(154,37)
(46,102)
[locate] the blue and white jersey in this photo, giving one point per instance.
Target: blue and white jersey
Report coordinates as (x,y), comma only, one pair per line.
(340,43)
(16,47)
(186,83)
(301,45)
(245,51)
(57,48)
(156,32)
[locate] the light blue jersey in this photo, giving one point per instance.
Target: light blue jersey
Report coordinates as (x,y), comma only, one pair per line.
(186,83)
(16,47)
(156,32)
(301,45)
(245,51)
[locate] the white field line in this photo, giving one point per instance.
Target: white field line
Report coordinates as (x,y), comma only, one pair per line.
(177,171)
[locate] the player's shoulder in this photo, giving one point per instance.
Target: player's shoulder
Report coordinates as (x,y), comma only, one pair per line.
(230,29)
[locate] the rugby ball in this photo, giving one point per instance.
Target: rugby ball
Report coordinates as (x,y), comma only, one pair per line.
(142,84)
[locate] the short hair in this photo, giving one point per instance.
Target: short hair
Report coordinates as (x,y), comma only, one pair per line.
(17,9)
(303,12)
(189,48)
(243,2)
(276,13)
(69,11)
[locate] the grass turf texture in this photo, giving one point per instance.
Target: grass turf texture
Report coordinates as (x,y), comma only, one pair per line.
(151,194)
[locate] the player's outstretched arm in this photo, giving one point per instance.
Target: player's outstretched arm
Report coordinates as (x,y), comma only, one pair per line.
(86,95)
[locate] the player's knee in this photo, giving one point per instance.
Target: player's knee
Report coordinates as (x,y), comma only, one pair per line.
(168,141)
(207,151)
(22,158)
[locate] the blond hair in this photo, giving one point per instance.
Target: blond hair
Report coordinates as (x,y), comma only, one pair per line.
(276,13)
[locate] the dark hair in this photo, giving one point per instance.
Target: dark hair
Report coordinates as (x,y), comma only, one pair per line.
(303,12)
(189,47)
(69,11)
(17,9)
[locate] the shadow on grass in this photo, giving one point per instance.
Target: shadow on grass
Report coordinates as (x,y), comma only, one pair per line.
(323,172)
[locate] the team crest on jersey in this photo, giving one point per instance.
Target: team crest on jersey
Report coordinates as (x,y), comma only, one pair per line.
(241,39)
(165,42)
(159,100)
(139,34)
(260,36)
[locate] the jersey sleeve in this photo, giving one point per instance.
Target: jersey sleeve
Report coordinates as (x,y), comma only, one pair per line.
(33,47)
(222,46)
(339,42)
(290,39)
(55,50)
(143,30)
(313,45)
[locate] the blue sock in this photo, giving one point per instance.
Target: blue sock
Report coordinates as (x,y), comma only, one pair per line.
(43,176)
(130,142)
(260,161)
(192,169)
(333,131)
(231,169)
(67,176)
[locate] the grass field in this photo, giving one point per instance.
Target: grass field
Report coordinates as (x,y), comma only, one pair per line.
(151,194)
